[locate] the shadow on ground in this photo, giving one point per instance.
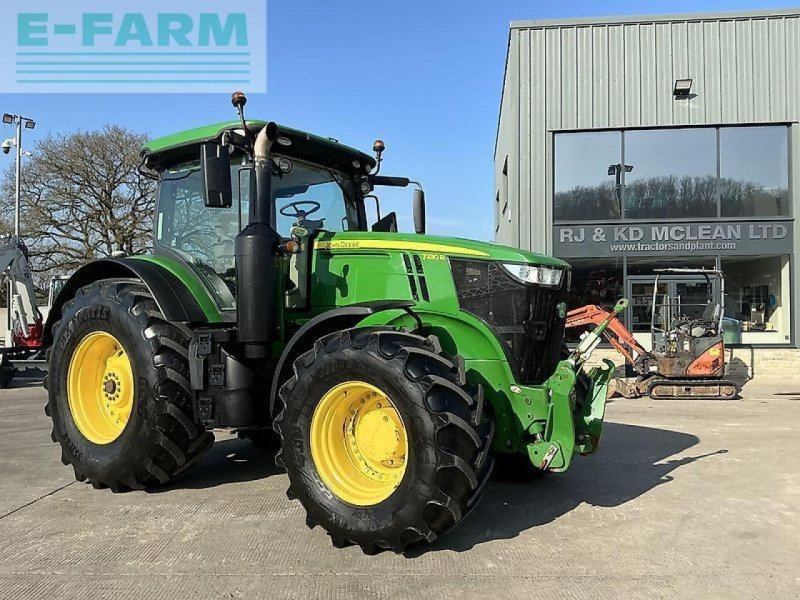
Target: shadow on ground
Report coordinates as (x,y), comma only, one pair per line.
(25,382)
(631,461)
(228,461)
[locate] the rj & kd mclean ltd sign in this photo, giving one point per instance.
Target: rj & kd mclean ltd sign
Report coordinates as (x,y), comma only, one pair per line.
(654,239)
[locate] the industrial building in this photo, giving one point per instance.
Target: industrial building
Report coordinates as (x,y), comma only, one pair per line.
(630,144)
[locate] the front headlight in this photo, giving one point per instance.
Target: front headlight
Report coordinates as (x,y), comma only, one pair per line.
(536,275)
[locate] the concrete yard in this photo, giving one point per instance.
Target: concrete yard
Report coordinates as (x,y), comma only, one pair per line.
(684,499)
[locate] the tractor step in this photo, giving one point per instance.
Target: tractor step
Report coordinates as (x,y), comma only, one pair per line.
(692,389)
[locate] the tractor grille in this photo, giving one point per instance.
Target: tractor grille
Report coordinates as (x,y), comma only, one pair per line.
(524,317)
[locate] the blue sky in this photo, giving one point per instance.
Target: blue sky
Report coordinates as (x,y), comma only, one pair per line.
(425,76)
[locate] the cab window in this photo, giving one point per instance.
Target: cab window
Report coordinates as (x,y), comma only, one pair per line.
(314,198)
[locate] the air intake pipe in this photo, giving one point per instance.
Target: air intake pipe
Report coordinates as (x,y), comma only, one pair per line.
(256,254)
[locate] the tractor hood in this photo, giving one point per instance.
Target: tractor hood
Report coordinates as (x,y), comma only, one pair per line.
(431,244)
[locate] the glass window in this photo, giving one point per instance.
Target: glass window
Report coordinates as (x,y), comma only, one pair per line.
(647,265)
(201,236)
(594,282)
(587,176)
(754,171)
(757,297)
(315,198)
(670,173)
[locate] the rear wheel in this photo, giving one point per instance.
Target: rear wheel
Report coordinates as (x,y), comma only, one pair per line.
(118,389)
(384,442)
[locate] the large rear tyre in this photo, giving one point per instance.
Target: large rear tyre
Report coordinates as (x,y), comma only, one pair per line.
(384,442)
(118,389)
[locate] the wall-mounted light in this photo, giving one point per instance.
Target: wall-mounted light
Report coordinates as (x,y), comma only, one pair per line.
(683,88)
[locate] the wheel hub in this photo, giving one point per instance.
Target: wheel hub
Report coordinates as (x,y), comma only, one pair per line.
(109,387)
(377,435)
(100,387)
(359,443)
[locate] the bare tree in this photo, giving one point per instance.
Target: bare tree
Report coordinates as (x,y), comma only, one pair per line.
(82,198)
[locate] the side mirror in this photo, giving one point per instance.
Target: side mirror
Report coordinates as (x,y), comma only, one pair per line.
(419,211)
(215,169)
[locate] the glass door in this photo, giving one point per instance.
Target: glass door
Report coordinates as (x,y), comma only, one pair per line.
(676,297)
(640,294)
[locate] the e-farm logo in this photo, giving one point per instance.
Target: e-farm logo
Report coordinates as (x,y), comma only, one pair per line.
(143,46)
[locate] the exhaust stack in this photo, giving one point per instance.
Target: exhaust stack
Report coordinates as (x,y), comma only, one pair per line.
(256,252)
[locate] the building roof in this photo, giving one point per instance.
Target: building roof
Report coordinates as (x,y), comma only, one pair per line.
(711,16)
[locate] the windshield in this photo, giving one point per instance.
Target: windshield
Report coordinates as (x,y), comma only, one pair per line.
(308,195)
(314,198)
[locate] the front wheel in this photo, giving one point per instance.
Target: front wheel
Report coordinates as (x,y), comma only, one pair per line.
(118,389)
(384,442)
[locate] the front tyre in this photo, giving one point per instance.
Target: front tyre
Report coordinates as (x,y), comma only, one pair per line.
(384,442)
(118,389)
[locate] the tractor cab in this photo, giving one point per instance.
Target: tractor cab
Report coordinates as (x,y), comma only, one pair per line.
(318,186)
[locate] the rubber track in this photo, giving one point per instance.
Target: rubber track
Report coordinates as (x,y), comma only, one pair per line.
(701,383)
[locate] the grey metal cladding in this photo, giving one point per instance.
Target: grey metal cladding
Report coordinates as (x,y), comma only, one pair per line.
(608,73)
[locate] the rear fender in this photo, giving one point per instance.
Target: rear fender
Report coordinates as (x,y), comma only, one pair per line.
(179,298)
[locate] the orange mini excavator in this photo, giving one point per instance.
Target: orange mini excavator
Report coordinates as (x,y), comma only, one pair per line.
(688,355)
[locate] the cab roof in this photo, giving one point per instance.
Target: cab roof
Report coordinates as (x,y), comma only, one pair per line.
(181,146)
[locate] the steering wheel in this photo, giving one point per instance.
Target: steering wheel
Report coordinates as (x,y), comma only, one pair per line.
(299,213)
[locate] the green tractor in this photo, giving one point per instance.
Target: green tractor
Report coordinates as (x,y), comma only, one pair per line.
(392,370)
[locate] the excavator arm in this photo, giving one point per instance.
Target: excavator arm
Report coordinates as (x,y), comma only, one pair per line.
(616,333)
(27,319)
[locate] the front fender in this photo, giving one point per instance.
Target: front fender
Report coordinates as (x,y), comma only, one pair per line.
(541,421)
(485,363)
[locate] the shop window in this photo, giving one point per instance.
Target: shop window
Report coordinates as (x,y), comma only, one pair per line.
(594,282)
(670,173)
(754,171)
(757,297)
(587,176)
(649,264)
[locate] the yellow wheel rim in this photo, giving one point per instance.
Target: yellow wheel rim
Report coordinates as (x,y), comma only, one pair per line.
(100,387)
(359,443)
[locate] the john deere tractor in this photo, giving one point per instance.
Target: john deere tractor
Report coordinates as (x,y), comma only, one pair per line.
(392,370)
